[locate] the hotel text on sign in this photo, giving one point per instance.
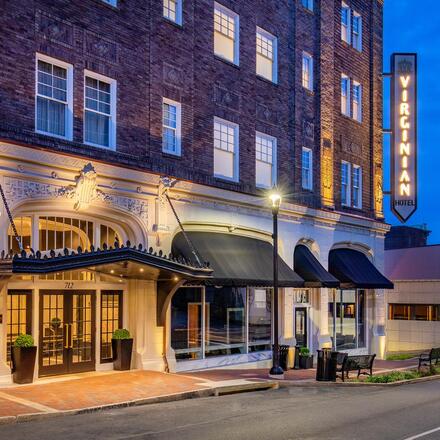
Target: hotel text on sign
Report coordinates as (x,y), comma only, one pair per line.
(404,139)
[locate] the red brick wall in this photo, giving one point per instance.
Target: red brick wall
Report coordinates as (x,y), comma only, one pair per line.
(151,58)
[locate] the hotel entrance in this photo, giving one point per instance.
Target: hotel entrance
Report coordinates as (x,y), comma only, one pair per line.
(67,332)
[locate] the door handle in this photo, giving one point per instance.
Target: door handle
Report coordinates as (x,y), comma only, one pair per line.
(70,336)
(66,335)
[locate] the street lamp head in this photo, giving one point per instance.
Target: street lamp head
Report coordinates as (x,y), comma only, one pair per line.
(275,199)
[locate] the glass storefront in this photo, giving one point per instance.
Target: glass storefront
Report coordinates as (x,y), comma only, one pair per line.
(346,316)
(218,321)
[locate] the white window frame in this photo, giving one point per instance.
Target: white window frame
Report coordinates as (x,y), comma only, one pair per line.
(113,100)
(348,97)
(178,128)
(359,188)
(357,37)
(308,4)
(348,194)
(309,58)
(274,40)
(179,12)
(310,164)
(236,164)
(274,159)
(357,115)
(236,18)
(346,36)
(69,93)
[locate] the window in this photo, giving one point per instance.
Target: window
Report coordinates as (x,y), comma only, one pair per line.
(307,71)
(54,97)
(217,321)
(357,101)
(345,183)
(265,160)
(345,95)
(111,319)
(357,186)
(345,23)
(414,312)
(225,149)
(347,319)
(19,318)
(226,34)
(266,55)
(357,31)
(111,2)
(172,10)
(308,4)
(99,111)
(171,127)
(307,169)
(24,230)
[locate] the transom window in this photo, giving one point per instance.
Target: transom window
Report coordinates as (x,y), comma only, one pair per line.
(265,160)
(225,149)
(171,127)
(54,97)
(99,115)
(226,35)
(172,10)
(266,55)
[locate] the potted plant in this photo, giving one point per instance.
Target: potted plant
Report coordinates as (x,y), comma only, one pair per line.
(23,356)
(305,358)
(122,346)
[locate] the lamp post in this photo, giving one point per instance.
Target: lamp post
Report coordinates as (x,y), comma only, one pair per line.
(276,371)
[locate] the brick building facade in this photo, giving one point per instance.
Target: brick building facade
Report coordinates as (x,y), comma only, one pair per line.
(148,54)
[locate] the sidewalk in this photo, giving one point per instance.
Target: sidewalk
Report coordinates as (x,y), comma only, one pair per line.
(98,390)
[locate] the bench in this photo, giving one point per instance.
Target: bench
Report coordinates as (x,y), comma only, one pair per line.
(358,363)
(429,358)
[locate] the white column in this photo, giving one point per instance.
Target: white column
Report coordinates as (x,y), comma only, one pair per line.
(5,371)
(148,338)
(377,312)
(287,334)
(324,336)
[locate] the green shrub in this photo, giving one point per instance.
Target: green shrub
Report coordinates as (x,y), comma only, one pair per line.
(393,376)
(400,357)
(304,351)
(24,341)
(121,333)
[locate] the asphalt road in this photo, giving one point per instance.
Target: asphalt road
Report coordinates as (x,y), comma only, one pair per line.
(330,413)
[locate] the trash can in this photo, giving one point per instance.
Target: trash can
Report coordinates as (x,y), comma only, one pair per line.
(283,351)
(326,368)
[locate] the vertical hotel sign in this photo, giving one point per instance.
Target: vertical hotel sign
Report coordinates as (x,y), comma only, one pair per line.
(404,135)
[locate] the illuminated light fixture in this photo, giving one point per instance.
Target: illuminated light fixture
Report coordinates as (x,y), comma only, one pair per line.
(141,269)
(275,198)
(176,278)
(120,281)
(112,271)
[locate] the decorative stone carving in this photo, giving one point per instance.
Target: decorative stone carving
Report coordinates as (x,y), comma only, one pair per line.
(351,147)
(378,190)
(101,48)
(54,29)
(265,114)
(161,220)
(226,98)
(172,75)
(308,130)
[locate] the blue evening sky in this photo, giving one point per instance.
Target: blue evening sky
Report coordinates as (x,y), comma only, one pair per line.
(409,27)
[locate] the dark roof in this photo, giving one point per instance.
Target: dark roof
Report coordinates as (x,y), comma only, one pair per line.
(354,270)
(36,263)
(236,260)
(307,266)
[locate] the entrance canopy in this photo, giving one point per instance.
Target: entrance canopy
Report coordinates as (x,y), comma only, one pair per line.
(354,270)
(236,260)
(120,261)
(309,268)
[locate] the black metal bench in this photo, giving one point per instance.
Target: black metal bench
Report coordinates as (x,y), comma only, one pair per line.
(358,363)
(429,358)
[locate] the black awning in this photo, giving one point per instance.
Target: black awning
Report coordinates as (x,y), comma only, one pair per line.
(128,261)
(308,267)
(236,260)
(354,270)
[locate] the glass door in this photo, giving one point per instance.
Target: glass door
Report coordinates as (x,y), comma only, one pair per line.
(301,326)
(67,332)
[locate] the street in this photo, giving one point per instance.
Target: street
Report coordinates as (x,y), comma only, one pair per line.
(390,413)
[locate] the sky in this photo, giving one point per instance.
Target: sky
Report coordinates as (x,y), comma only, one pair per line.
(408,27)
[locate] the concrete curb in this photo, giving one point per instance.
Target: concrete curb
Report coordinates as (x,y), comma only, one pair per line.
(204,392)
(305,384)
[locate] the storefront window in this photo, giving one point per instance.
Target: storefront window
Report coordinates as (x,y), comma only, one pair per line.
(111,319)
(260,318)
(236,321)
(347,319)
(414,312)
(24,229)
(186,323)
